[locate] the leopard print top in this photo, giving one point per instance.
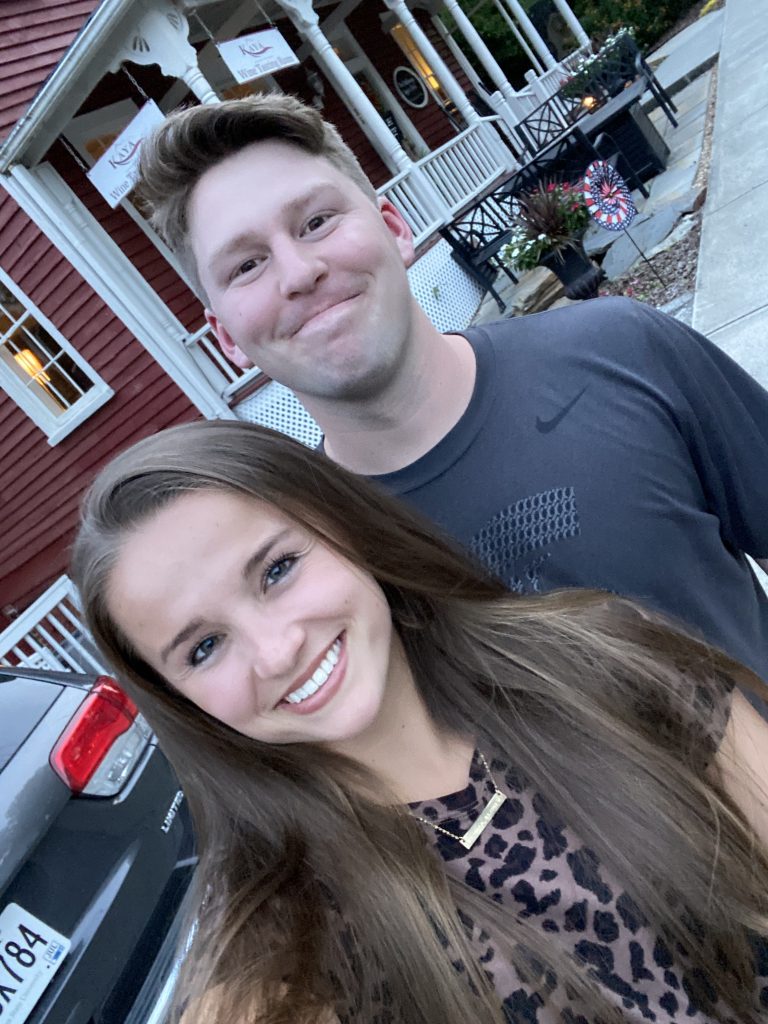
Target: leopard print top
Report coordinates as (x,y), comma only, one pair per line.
(535,864)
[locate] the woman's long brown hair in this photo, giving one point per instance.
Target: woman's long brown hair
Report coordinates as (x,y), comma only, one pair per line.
(312,896)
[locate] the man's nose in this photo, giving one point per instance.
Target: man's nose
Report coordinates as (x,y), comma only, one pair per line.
(300,266)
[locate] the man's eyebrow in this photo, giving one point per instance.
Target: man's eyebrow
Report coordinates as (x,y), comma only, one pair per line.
(249,568)
(245,239)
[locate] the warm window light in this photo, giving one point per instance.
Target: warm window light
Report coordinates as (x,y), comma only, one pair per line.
(31,365)
(407,44)
(589,102)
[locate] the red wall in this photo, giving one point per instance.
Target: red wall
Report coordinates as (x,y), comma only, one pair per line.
(41,485)
(34,36)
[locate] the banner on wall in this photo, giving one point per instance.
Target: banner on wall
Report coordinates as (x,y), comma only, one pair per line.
(116,171)
(257,54)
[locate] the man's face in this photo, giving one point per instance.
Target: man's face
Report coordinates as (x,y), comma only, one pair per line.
(305,274)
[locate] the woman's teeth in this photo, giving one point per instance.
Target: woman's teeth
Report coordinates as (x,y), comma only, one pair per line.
(319,676)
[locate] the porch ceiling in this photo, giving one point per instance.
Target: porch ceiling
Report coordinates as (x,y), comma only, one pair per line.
(51,66)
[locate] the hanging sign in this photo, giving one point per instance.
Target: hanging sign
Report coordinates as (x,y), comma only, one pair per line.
(410,87)
(116,171)
(257,54)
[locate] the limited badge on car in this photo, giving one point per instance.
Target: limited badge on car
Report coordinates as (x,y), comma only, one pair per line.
(30,955)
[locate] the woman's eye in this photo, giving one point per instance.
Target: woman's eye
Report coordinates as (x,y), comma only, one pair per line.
(202,651)
(278,570)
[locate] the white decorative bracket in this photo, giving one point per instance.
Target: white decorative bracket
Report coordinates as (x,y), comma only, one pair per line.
(161,36)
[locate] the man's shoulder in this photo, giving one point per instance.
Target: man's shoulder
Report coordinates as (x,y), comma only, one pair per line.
(610,334)
(608,321)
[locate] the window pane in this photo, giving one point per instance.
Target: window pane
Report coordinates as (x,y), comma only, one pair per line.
(43,367)
(10,309)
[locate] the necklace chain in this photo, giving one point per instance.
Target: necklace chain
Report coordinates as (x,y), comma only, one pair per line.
(476,829)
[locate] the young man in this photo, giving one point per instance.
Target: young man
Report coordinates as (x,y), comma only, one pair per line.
(603,445)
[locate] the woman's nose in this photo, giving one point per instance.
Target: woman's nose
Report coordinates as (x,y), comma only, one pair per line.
(276,650)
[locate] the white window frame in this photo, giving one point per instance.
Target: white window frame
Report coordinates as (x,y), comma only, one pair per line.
(54,427)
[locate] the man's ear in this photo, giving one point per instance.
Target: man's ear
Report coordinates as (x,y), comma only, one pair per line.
(233,353)
(399,228)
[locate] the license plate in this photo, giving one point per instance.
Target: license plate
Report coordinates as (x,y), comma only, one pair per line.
(30,955)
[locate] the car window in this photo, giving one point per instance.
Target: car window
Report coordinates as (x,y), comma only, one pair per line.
(23,702)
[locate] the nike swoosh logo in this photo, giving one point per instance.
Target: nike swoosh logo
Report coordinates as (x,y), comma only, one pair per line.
(545,426)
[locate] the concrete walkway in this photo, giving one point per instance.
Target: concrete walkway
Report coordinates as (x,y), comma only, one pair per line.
(687,55)
(731,302)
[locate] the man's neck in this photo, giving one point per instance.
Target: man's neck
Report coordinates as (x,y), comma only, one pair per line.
(423,403)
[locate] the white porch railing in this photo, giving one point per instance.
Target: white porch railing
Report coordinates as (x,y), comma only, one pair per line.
(464,167)
(448,179)
(51,634)
(215,367)
(415,203)
(546,84)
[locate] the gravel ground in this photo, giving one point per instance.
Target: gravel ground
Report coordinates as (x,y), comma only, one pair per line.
(677,266)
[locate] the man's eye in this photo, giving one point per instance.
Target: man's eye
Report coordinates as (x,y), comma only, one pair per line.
(202,651)
(278,570)
(246,266)
(317,222)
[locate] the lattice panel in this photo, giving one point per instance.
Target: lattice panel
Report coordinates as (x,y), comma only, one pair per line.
(445,292)
(276,407)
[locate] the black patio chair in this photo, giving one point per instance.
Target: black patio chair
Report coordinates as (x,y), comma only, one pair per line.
(547,122)
(477,237)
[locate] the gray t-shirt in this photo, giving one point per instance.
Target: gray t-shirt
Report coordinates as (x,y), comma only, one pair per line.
(607,445)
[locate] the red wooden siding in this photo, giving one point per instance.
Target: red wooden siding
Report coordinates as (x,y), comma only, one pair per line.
(42,485)
(34,36)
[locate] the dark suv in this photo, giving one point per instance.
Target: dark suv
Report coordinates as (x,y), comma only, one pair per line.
(96,853)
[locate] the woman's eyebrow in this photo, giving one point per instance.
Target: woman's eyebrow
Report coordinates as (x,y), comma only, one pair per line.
(183,634)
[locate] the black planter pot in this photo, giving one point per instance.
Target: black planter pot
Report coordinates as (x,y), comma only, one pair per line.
(576,270)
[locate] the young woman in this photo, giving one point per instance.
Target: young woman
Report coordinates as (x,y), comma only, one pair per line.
(418,798)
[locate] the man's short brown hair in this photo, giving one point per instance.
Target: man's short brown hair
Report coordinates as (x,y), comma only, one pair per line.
(190,142)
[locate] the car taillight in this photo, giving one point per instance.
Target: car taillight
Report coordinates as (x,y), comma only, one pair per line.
(101,745)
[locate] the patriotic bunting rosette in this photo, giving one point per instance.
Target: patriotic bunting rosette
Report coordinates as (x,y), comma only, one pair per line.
(607,197)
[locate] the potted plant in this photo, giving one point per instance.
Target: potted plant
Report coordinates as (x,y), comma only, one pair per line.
(603,74)
(547,231)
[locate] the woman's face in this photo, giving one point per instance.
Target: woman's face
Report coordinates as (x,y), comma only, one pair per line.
(256,621)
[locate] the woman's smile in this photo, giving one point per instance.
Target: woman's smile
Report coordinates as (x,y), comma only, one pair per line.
(321,685)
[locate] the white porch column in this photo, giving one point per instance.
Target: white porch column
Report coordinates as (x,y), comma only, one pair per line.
(161,37)
(537,65)
(307,22)
(485,56)
(438,65)
(573,22)
(525,23)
